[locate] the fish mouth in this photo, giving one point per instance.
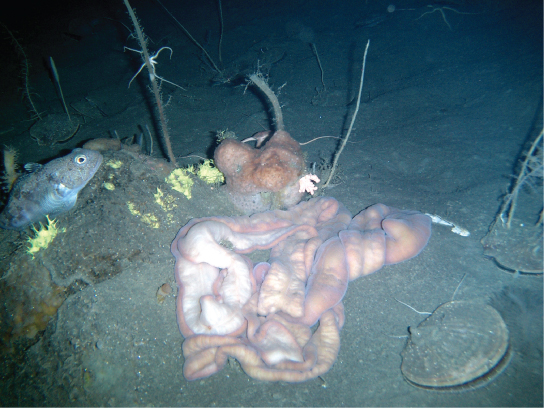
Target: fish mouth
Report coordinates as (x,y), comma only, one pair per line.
(98,163)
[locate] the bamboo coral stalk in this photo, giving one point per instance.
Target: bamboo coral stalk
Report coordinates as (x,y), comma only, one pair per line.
(526,173)
(154,85)
(258,80)
(27,92)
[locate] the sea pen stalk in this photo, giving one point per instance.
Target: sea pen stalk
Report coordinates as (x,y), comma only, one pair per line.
(57,80)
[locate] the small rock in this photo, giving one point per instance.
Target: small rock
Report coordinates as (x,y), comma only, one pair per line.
(164,291)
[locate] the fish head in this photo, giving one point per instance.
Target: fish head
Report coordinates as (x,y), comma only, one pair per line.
(71,173)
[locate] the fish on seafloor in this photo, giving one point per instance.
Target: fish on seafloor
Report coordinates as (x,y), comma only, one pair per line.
(49,189)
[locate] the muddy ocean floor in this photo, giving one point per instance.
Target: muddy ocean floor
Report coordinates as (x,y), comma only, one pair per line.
(452,98)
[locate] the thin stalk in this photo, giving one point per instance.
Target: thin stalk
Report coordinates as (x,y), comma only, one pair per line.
(57,79)
(337,155)
(191,38)
(221,35)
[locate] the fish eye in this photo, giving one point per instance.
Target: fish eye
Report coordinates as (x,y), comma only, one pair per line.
(80,159)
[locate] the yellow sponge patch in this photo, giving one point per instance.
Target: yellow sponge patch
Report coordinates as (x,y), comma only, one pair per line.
(180,181)
(149,218)
(43,236)
(114,164)
(166,201)
(209,173)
